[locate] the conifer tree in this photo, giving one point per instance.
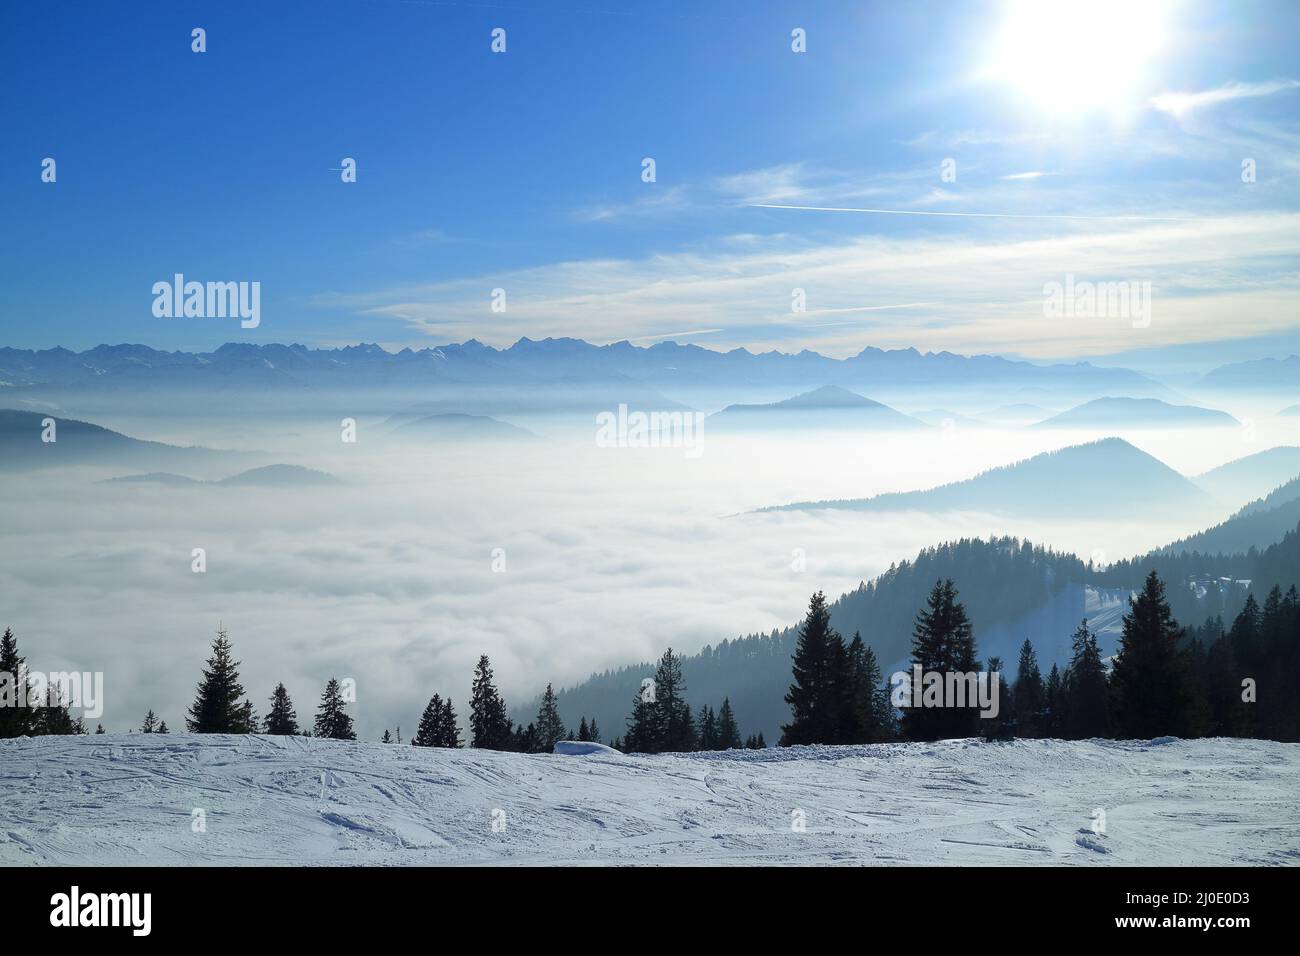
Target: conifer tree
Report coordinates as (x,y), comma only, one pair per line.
(17,718)
(1087,692)
(643,730)
(999,726)
(942,644)
(99,729)
(248,722)
(816,697)
(216,708)
(728,734)
(708,737)
(583,733)
(548,729)
(387,738)
(162,727)
(1051,724)
(490,728)
(428,731)
(53,719)
(150,723)
(673,722)
(283,719)
(1149,680)
(1028,693)
(593,732)
(448,730)
(865,720)
(332,721)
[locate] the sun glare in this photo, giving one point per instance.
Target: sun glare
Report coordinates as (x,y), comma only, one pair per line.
(1079,56)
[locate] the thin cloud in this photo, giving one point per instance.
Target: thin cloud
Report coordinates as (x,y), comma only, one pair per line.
(1207,275)
(1180,104)
(968,215)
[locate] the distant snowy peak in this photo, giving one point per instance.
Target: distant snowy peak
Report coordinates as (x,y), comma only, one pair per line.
(827,407)
(1109,475)
(1137,413)
(1258,374)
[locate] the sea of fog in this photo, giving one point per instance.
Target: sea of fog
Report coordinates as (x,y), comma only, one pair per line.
(556,558)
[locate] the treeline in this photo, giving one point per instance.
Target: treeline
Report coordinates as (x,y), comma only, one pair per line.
(1165,680)
(490,727)
(17,717)
(662,722)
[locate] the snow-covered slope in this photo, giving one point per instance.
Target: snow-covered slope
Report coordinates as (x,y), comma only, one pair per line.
(135,799)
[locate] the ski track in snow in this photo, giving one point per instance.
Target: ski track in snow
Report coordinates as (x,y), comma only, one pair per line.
(129,799)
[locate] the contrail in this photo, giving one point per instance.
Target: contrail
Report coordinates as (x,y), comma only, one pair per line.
(966,215)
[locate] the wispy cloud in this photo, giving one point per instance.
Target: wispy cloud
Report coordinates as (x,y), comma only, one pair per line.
(1180,104)
(1215,277)
(656,200)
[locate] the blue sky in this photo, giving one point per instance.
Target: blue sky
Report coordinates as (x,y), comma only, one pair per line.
(522,171)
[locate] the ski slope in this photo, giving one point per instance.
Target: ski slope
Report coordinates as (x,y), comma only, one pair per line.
(229,800)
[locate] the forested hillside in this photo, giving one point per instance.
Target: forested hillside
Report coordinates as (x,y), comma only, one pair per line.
(1001,581)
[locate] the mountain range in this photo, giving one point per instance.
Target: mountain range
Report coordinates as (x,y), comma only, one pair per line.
(662,365)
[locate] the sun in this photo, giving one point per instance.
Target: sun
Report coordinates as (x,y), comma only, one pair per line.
(1079,56)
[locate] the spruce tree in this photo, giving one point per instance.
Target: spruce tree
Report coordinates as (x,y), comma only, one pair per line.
(99,729)
(593,731)
(53,719)
(248,722)
(429,733)
(162,727)
(865,720)
(583,733)
(642,734)
(999,726)
(942,644)
(150,723)
(548,729)
(1087,692)
(332,721)
(387,738)
(816,697)
(283,719)
(708,736)
(728,734)
(673,722)
(216,708)
(17,718)
(448,730)
(1149,680)
(490,728)
(1052,722)
(1028,693)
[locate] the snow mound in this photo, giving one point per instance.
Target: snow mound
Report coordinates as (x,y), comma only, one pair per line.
(581,748)
(1161,741)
